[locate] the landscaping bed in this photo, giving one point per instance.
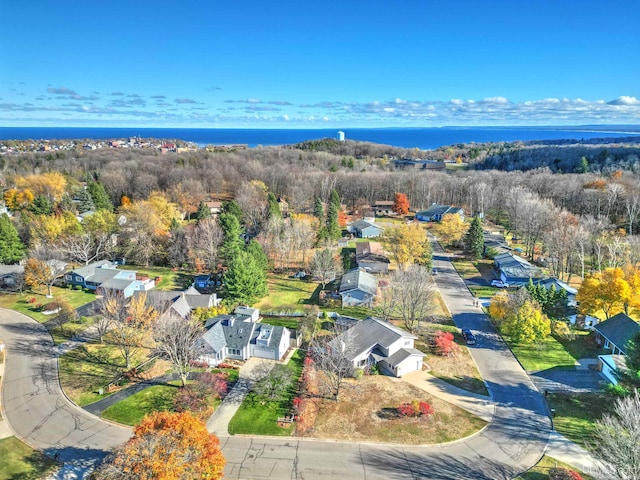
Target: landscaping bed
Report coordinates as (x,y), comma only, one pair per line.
(541,470)
(367,411)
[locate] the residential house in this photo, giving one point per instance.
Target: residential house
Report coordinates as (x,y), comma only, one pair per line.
(375,342)
(515,270)
(215,207)
(181,303)
(358,288)
(435,213)
(383,207)
(238,337)
(364,229)
(371,258)
(610,365)
(560,285)
(614,333)
(103,275)
(10,276)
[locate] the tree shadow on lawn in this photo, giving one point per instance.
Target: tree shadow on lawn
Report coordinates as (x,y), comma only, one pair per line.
(182,281)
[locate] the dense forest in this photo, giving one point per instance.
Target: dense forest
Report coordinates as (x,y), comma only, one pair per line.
(518,185)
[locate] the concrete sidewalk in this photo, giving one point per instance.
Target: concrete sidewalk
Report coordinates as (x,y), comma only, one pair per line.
(479,405)
(218,423)
(563,449)
(5,431)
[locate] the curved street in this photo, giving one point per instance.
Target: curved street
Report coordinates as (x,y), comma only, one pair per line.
(38,412)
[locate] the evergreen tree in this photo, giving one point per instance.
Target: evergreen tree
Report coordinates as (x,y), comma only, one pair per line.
(318,209)
(273,209)
(333,230)
(11,247)
(85,202)
(474,240)
(99,196)
(232,244)
(203,211)
(230,206)
(41,206)
(256,251)
(244,281)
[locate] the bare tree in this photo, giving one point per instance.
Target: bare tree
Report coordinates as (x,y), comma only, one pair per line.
(84,247)
(130,322)
(333,357)
(409,296)
(632,206)
(325,266)
(273,381)
(617,440)
(205,241)
(102,324)
(51,268)
(175,338)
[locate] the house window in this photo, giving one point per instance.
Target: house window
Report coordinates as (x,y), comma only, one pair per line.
(233,351)
(362,362)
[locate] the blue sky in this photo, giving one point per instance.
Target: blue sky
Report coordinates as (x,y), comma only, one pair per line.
(329,63)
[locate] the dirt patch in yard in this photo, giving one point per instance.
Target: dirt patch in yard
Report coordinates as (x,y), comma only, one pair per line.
(367,411)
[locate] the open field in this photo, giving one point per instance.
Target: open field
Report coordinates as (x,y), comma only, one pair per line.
(366,411)
(19,461)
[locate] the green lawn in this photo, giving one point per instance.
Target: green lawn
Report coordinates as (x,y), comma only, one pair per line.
(287,293)
(169,279)
(291,323)
(258,415)
(71,329)
(133,409)
(20,302)
(575,414)
(86,369)
(19,461)
(541,470)
(582,346)
(547,354)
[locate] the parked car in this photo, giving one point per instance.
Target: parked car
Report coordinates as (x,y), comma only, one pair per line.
(499,284)
(468,336)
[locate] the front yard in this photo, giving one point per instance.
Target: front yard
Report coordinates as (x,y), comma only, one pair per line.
(131,410)
(367,411)
(541,470)
(29,303)
(576,414)
(19,461)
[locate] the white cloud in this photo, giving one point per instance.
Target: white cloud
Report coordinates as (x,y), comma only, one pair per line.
(496,100)
(624,100)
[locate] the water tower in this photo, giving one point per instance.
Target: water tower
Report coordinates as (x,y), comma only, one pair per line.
(341,136)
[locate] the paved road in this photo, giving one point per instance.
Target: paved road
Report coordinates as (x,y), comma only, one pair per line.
(512,443)
(34,404)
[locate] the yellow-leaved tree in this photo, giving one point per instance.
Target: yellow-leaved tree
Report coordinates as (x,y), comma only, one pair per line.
(611,291)
(407,244)
(527,325)
(452,228)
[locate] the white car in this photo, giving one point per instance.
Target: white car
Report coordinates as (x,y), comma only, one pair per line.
(499,284)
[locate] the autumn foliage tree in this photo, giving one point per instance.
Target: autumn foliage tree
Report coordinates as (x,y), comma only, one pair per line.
(166,446)
(444,343)
(527,325)
(407,244)
(611,291)
(401,204)
(452,228)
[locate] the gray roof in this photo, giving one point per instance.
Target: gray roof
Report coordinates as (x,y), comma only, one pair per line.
(119,284)
(402,354)
(162,299)
(191,291)
(358,279)
(102,275)
(619,329)
(374,331)
(363,224)
(199,301)
(213,340)
(438,210)
(274,338)
(238,329)
(516,267)
(11,269)
(181,307)
(90,269)
(560,285)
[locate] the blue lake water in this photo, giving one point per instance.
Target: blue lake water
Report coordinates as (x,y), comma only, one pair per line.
(424,138)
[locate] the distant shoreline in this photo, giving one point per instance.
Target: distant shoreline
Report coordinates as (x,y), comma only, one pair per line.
(427,138)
